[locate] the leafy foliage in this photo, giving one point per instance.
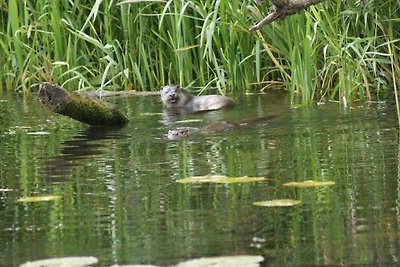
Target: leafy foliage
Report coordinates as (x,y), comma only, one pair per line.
(335,51)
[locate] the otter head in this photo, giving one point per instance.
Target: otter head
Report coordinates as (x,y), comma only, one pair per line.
(172,95)
(178,134)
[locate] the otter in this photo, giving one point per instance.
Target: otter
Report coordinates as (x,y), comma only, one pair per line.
(217,126)
(178,134)
(176,97)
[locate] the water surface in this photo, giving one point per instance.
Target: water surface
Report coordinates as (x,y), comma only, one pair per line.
(121,203)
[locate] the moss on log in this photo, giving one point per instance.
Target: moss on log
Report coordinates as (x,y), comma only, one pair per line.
(81,108)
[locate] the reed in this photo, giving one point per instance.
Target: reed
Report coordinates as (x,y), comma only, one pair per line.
(340,51)
(336,51)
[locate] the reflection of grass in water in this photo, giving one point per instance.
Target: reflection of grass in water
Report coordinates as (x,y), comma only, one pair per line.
(131,191)
(336,150)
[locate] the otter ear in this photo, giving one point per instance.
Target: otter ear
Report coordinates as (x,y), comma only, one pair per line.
(161,88)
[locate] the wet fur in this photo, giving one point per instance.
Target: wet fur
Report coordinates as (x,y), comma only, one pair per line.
(175,97)
(217,126)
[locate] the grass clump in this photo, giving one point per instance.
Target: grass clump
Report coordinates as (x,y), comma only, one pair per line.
(340,51)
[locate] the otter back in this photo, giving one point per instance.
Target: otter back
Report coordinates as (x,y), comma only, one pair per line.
(175,97)
(217,126)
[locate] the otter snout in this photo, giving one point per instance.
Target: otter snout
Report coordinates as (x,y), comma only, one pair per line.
(172,97)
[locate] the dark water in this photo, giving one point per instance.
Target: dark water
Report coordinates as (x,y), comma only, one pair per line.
(120,201)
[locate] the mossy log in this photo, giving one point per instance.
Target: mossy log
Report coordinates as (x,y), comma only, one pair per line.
(81,108)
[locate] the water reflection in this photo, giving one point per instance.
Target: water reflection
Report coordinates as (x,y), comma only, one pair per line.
(120,201)
(85,146)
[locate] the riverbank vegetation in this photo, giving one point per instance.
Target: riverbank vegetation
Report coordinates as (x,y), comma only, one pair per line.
(336,50)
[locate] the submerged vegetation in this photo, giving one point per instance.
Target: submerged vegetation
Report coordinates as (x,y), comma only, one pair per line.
(337,50)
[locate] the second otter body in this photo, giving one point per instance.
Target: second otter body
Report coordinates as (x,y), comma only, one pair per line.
(217,126)
(175,97)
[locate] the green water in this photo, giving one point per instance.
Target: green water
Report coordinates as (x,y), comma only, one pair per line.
(121,204)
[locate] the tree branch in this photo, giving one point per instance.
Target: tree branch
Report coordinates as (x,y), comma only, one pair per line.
(283,8)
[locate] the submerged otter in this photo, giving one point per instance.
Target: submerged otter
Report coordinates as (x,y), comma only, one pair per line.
(178,134)
(217,126)
(175,97)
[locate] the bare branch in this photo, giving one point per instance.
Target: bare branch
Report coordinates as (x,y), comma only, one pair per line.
(283,8)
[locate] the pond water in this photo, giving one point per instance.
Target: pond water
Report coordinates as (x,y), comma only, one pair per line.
(120,201)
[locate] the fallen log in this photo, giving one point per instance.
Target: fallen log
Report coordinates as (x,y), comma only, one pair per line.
(81,108)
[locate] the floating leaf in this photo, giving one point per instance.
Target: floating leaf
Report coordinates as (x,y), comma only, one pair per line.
(38,198)
(225,261)
(309,183)
(38,133)
(278,203)
(189,121)
(219,179)
(62,262)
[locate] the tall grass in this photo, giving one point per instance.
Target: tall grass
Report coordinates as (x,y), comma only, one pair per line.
(335,51)
(338,50)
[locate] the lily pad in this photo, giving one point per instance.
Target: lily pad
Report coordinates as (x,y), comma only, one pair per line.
(278,203)
(62,262)
(225,261)
(38,198)
(219,179)
(309,183)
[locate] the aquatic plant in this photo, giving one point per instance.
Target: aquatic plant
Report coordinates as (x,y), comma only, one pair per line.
(342,51)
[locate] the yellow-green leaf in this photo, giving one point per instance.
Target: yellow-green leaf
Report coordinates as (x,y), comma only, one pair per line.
(38,133)
(278,203)
(309,183)
(63,261)
(224,261)
(189,121)
(38,198)
(138,1)
(219,179)
(151,114)
(23,127)
(180,49)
